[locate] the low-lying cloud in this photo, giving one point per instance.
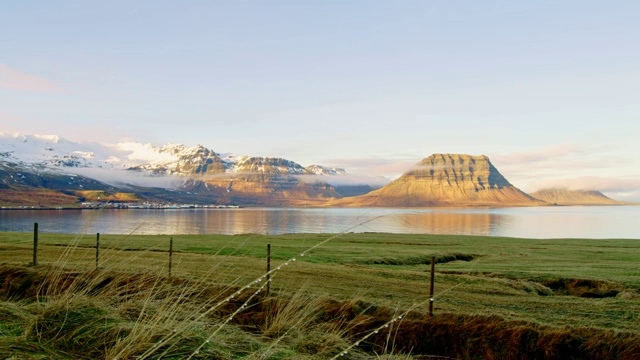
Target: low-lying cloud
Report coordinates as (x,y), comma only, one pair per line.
(124,177)
(374,167)
(143,153)
(617,189)
(591,183)
(345,180)
(604,168)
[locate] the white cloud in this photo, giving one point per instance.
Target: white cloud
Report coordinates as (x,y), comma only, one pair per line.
(123,177)
(144,153)
(591,183)
(386,167)
(552,153)
(17,80)
(375,181)
(578,167)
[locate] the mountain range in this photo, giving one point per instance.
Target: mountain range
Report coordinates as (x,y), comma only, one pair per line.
(169,173)
(49,170)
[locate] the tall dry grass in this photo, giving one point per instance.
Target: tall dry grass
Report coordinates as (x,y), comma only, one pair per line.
(129,308)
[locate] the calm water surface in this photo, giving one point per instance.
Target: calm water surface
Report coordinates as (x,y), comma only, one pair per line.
(536,222)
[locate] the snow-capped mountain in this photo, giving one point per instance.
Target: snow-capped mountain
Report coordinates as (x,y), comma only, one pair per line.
(177,159)
(54,152)
(51,151)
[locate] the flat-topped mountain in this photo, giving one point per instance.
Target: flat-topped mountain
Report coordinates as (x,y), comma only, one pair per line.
(446,180)
(574,197)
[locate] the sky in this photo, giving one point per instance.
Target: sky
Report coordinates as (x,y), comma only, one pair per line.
(549,90)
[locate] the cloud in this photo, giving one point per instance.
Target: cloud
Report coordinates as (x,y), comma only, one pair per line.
(560,151)
(389,168)
(532,170)
(123,177)
(563,157)
(375,181)
(17,80)
(591,183)
(144,153)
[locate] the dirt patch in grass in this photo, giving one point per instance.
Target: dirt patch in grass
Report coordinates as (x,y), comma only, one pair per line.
(18,283)
(476,336)
(585,288)
(422,260)
(27,283)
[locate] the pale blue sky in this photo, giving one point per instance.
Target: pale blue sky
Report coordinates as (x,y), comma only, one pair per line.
(549,90)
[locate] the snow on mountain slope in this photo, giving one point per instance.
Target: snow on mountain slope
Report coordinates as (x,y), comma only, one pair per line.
(136,154)
(50,150)
(54,152)
(322,170)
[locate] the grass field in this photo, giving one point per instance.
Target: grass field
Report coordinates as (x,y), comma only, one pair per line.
(363,294)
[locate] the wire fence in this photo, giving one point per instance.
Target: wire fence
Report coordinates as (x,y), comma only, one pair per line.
(422,291)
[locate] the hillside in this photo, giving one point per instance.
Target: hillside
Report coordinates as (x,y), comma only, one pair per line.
(574,197)
(23,187)
(446,180)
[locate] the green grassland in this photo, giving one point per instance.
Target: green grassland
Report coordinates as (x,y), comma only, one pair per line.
(331,295)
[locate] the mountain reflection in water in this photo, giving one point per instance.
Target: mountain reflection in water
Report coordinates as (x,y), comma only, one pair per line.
(534,222)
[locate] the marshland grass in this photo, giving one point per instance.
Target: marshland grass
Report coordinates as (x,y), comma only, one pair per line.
(494,297)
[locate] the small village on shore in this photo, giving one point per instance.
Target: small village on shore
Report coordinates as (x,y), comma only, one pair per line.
(95,205)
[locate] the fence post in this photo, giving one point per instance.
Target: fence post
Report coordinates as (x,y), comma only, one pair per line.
(170,254)
(97,249)
(268,268)
(35,244)
(433,266)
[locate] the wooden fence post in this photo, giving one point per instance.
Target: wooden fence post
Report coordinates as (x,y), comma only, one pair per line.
(35,244)
(97,250)
(268,268)
(170,254)
(433,266)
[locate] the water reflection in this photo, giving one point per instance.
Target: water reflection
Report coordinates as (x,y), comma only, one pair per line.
(541,222)
(437,222)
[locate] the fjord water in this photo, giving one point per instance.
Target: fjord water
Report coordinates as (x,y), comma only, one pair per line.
(596,222)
